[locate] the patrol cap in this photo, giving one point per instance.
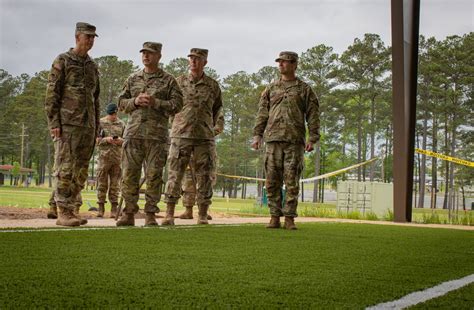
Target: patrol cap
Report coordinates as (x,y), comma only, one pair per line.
(287,55)
(86,28)
(153,47)
(111,108)
(199,52)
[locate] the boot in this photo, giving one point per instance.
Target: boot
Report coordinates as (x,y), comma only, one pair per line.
(113,210)
(101,209)
(150,219)
(66,217)
(127,219)
(274,222)
(76,213)
(202,218)
(290,223)
(169,218)
(188,214)
(53,212)
(209,217)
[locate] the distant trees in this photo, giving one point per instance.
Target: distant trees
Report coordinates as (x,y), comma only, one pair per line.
(354,91)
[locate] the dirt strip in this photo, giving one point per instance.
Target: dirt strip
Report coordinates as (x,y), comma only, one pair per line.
(11,217)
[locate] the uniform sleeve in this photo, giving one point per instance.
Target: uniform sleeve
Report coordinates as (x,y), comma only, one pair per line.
(126,102)
(97,104)
(218,113)
(175,102)
(219,122)
(262,114)
(312,115)
(54,89)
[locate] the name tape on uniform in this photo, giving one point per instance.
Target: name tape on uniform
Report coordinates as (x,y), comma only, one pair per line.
(322,176)
(446,157)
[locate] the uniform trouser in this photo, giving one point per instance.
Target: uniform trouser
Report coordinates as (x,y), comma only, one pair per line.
(52,202)
(189,183)
(283,164)
(198,154)
(73,151)
(108,178)
(136,153)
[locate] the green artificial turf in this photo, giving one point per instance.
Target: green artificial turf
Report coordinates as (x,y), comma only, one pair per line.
(318,266)
(461,299)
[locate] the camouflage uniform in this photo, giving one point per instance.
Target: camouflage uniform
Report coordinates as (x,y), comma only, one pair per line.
(189,179)
(193,134)
(146,135)
(72,104)
(283,109)
(110,158)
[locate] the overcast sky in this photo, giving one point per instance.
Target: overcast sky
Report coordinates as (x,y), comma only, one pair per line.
(240,35)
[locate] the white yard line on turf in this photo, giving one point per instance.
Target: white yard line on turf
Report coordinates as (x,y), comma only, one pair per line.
(425,295)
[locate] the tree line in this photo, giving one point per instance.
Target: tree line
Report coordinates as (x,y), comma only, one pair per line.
(354,90)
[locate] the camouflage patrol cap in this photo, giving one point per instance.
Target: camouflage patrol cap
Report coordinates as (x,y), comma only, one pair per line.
(286,55)
(86,28)
(153,47)
(199,52)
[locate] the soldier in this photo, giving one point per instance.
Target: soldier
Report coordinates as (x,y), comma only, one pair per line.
(192,136)
(72,108)
(110,158)
(189,180)
(150,96)
(283,108)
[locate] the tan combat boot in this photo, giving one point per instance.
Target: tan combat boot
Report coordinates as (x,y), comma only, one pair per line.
(101,209)
(202,218)
(66,217)
(188,214)
(127,219)
(53,212)
(113,210)
(290,223)
(274,222)
(169,218)
(76,213)
(150,219)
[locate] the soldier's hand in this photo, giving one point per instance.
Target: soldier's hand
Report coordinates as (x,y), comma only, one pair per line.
(55,132)
(142,100)
(150,100)
(309,147)
(257,142)
(109,139)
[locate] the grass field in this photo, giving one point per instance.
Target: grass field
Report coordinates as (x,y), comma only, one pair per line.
(318,266)
(35,197)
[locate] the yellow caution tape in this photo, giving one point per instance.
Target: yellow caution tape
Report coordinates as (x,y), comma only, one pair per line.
(326,175)
(330,174)
(445,157)
(241,177)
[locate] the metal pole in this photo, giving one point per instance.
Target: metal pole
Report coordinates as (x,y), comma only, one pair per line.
(405,28)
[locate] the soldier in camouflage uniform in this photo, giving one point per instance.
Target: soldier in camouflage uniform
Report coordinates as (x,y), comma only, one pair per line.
(284,107)
(189,180)
(192,135)
(109,171)
(72,108)
(150,97)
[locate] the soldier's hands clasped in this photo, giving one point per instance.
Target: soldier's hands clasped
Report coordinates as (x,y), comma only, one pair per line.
(144,100)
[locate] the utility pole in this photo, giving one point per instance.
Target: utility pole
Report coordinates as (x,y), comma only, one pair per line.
(22,143)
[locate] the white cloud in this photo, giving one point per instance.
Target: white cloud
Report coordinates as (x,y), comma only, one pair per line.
(241,35)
